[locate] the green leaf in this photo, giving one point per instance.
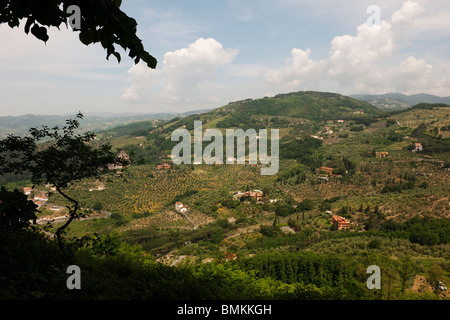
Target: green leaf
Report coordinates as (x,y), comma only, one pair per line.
(30,21)
(117,55)
(14,23)
(87,37)
(40,32)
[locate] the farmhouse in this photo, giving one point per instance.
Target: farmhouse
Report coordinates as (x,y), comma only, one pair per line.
(417,147)
(27,190)
(163,166)
(180,207)
(341,222)
(328,130)
(122,155)
(43,196)
(255,194)
(327,170)
(229,256)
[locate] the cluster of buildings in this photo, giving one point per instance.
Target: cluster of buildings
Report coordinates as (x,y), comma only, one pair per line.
(338,121)
(255,194)
(327,130)
(39,197)
(163,166)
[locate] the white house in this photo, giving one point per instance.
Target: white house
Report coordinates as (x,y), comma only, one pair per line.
(41,196)
(180,207)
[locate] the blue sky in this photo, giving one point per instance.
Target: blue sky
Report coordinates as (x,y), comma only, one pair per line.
(212,52)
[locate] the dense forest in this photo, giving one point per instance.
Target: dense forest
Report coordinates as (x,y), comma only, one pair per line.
(112,269)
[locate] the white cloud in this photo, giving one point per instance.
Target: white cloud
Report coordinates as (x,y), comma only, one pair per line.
(407,52)
(413,75)
(368,62)
(355,55)
(186,75)
(302,70)
(373,60)
(412,67)
(407,14)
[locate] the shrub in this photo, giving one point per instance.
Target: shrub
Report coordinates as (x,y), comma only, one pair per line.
(15,210)
(374,244)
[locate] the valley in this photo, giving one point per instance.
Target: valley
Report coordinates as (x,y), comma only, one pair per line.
(386,175)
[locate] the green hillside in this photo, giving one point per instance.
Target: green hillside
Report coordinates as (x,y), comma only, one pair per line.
(317,106)
(305,104)
(394,197)
(299,114)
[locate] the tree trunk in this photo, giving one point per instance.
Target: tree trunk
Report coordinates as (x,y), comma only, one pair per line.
(72,215)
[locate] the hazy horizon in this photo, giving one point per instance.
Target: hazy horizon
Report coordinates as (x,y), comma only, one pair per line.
(210,54)
(136,113)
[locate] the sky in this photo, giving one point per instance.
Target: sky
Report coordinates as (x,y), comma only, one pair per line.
(211,53)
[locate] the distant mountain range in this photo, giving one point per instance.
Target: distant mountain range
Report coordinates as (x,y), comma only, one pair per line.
(398,101)
(19,125)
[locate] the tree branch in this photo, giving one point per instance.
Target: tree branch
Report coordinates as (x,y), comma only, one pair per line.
(72,215)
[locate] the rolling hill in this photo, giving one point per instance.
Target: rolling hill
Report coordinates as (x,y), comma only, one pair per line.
(311,137)
(282,111)
(398,101)
(339,157)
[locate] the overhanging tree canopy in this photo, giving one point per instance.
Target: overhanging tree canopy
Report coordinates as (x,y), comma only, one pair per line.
(100,21)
